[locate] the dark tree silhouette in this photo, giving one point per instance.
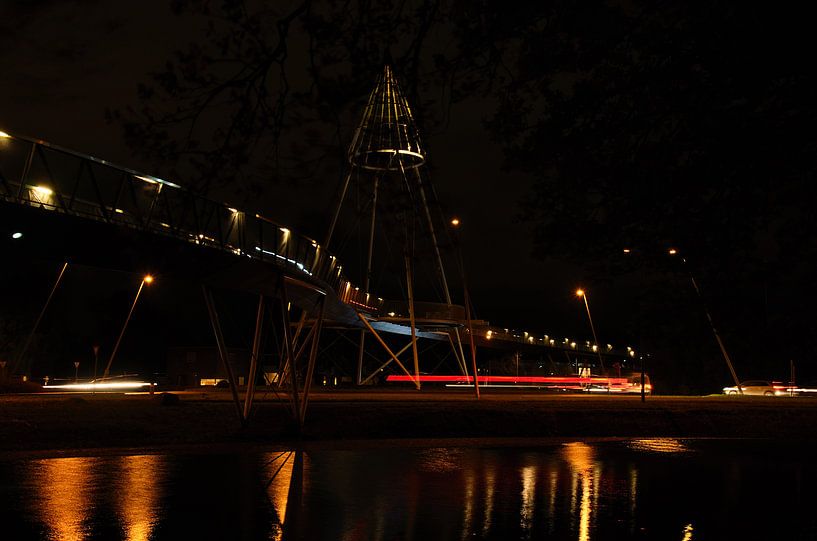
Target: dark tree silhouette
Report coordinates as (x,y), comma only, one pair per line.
(266,96)
(643,126)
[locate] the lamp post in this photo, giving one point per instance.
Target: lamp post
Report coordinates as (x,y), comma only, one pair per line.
(76,371)
(95,347)
(583,294)
(146,279)
(455,224)
(673,252)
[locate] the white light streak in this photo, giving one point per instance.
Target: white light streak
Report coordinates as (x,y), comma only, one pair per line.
(111,385)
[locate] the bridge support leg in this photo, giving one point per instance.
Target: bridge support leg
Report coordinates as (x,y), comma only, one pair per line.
(293,372)
(37,323)
(256,352)
(387,363)
(413,343)
(410,288)
(313,355)
(471,340)
(222,350)
(298,330)
(360,351)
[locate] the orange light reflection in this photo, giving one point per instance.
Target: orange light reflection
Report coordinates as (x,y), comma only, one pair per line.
(63,493)
(139,495)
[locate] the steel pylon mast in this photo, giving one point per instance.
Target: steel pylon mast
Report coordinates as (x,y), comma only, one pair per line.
(387,153)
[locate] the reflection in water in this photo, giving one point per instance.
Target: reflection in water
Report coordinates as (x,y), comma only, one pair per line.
(569,492)
(490,490)
(63,489)
(279,472)
(468,507)
(581,458)
(440,460)
(528,497)
(633,495)
(139,494)
(659,445)
(554,479)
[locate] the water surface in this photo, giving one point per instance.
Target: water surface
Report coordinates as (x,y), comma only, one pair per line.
(639,489)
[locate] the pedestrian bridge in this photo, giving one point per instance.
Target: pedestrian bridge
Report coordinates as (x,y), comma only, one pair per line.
(60,204)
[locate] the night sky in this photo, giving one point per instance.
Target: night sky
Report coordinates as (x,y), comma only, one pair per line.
(69,66)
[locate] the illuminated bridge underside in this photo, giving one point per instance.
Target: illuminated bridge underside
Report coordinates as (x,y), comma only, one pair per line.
(76,208)
(54,235)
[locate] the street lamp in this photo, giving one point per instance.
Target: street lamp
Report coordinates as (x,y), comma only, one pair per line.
(583,294)
(455,224)
(673,251)
(146,279)
(96,358)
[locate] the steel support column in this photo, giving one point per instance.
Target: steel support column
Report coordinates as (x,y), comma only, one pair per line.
(256,351)
(367,278)
(39,318)
(293,372)
(388,349)
(387,363)
(410,289)
(222,350)
(313,355)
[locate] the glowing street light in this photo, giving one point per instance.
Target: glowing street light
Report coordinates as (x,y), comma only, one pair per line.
(455,222)
(583,294)
(146,279)
(673,251)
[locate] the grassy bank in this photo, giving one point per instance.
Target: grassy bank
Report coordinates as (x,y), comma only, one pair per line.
(36,422)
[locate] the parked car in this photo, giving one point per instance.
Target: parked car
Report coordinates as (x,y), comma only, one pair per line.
(762,388)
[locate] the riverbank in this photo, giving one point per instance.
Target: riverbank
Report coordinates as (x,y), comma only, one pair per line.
(77,422)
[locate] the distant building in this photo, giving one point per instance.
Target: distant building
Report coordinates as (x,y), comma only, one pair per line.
(195,366)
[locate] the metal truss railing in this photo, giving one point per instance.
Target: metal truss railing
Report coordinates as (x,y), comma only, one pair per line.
(38,174)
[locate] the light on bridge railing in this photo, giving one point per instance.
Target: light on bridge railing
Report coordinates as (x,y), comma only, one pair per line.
(156,180)
(41,194)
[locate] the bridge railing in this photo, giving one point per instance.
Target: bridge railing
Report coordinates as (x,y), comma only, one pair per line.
(38,174)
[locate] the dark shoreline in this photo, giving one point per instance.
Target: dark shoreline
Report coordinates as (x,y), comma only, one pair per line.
(37,425)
